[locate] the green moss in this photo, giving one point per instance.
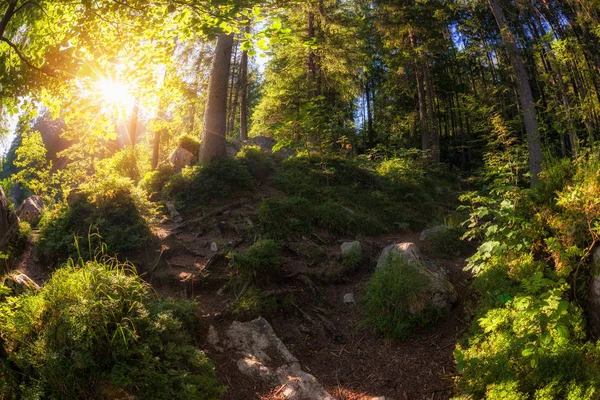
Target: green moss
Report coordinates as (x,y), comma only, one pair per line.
(259,262)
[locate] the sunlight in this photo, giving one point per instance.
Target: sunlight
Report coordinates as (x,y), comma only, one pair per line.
(115,92)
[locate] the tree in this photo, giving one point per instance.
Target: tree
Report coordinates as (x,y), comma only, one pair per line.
(214,139)
(525,93)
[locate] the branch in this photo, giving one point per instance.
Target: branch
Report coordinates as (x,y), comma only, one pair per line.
(24,59)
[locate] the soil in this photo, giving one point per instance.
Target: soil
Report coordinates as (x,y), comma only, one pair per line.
(351,361)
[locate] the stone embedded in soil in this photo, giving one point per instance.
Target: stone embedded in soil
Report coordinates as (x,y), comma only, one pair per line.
(440,292)
(348,298)
(435,229)
(262,355)
(173,213)
(351,248)
(214,247)
(30,210)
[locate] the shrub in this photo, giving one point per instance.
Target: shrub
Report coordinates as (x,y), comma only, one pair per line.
(279,217)
(200,184)
(254,303)
(123,163)
(113,208)
(259,163)
(340,220)
(190,144)
(447,243)
(95,329)
(393,291)
(260,260)
(154,182)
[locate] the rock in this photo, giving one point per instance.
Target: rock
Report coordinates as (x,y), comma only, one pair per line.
(262,355)
(173,213)
(76,196)
(9,223)
(213,338)
(181,158)
(20,283)
(236,144)
(231,151)
(436,229)
(440,293)
(264,142)
(348,298)
(214,247)
(286,152)
(31,210)
(351,249)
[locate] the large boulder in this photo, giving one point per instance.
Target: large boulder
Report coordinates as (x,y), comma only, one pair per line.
(440,292)
(20,283)
(181,158)
(436,229)
(9,223)
(265,143)
(31,210)
(262,355)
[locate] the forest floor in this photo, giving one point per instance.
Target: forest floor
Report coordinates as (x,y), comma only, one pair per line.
(323,332)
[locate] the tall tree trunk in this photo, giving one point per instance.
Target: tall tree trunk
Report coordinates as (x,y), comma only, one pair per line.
(369,118)
(214,142)
(231,103)
(422,98)
(134,123)
(311,65)
(244,94)
(433,131)
(525,94)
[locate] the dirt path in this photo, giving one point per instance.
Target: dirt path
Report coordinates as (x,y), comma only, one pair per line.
(30,265)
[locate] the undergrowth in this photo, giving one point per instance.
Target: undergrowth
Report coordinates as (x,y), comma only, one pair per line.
(95,331)
(396,300)
(529,337)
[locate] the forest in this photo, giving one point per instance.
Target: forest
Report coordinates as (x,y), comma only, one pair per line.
(299,199)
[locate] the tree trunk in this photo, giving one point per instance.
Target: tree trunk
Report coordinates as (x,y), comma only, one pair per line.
(369,118)
(244,95)
(422,98)
(311,65)
(214,142)
(525,94)
(134,123)
(433,131)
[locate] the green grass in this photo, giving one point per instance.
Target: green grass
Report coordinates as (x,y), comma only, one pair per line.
(96,328)
(395,301)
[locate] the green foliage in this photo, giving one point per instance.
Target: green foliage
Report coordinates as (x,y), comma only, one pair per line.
(154,182)
(200,184)
(279,217)
(124,164)
(256,161)
(34,168)
(395,300)
(189,143)
(95,329)
(353,195)
(447,243)
(259,262)
(529,338)
(254,303)
(113,208)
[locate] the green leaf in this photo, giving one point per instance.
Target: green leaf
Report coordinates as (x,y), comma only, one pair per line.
(276,25)
(563,331)
(528,351)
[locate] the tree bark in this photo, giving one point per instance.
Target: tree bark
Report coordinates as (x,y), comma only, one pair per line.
(433,131)
(214,142)
(311,65)
(134,123)
(244,95)
(525,94)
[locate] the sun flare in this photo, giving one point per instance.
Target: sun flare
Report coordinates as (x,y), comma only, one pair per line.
(115,92)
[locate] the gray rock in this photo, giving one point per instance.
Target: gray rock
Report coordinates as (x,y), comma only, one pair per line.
(348,298)
(435,229)
(173,213)
(351,249)
(262,355)
(214,247)
(264,142)
(440,293)
(20,283)
(181,158)
(236,144)
(231,151)
(31,210)
(9,222)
